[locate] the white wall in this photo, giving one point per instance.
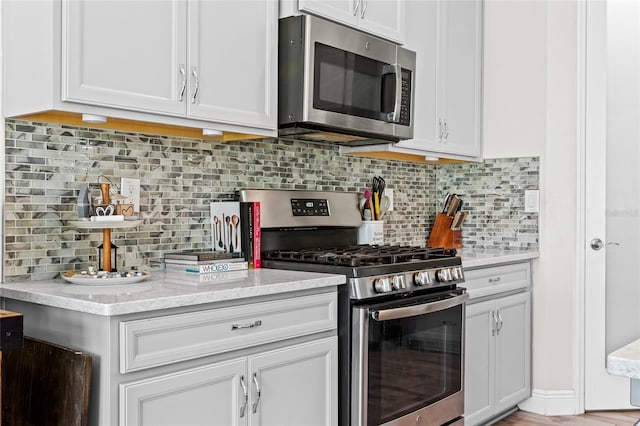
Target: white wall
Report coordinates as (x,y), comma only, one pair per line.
(530,110)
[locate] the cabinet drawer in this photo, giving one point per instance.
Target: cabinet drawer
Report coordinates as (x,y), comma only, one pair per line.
(497,279)
(168,339)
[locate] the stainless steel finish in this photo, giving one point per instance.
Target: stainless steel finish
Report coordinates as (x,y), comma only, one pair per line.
(368,287)
(494,280)
(251,325)
(446,131)
(412,311)
(299,36)
(343,208)
(597,244)
(183,73)
(397,282)
(355,8)
(364,8)
(395,116)
(437,413)
(494,329)
(359,366)
(194,72)
(245,391)
(254,408)
(440,130)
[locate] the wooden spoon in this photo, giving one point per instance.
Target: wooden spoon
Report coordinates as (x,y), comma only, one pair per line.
(235,220)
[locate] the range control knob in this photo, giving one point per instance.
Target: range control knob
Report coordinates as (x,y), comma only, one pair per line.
(456,273)
(444,275)
(382,285)
(421,278)
(398,282)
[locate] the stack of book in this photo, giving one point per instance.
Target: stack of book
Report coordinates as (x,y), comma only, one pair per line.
(203,262)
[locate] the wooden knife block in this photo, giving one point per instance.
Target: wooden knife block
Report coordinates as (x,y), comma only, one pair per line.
(442,236)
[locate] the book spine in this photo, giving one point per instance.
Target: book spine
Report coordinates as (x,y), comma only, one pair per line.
(213,267)
(202,262)
(246,228)
(256,235)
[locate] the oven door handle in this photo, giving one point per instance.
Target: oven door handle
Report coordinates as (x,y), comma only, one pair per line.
(412,311)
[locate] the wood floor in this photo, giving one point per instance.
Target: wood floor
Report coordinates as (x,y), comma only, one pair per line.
(593,418)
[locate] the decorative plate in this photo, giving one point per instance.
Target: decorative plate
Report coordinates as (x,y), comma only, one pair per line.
(85,279)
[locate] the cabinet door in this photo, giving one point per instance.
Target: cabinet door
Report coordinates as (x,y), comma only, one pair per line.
(343,11)
(233,60)
(460,76)
(210,395)
(479,362)
(298,385)
(385,18)
(421,17)
(513,353)
(124,54)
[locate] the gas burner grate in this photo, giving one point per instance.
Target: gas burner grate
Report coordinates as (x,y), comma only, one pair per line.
(360,255)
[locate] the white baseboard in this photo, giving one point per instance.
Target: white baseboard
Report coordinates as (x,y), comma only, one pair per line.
(551,403)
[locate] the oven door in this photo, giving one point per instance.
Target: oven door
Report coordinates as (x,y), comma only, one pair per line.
(407,360)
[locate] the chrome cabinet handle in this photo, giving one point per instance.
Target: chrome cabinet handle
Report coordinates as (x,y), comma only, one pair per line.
(255,404)
(243,409)
(355,8)
(446,131)
(194,72)
(251,325)
(183,73)
(495,323)
(499,322)
(364,8)
(440,130)
(494,280)
(394,117)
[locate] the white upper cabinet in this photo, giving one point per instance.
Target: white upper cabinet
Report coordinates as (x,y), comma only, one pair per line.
(384,18)
(194,63)
(447,37)
(125,54)
(207,60)
(233,49)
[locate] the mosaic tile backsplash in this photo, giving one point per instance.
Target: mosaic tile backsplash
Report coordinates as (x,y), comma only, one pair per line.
(46,164)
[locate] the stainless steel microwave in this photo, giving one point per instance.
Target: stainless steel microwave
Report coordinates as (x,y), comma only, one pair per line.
(337,84)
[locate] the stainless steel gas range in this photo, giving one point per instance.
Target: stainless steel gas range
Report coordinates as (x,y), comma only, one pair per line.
(401,314)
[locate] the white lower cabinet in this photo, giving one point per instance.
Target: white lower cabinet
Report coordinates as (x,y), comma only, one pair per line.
(295,385)
(497,363)
(497,341)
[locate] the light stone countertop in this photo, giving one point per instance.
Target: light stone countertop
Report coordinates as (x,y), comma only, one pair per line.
(163,292)
(625,361)
(477,258)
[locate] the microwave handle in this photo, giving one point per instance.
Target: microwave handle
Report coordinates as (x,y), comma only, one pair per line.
(412,311)
(394,117)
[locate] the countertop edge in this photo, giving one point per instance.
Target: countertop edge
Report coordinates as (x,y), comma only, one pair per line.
(50,293)
(482,258)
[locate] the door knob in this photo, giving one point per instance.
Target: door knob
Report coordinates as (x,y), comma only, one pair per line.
(597,244)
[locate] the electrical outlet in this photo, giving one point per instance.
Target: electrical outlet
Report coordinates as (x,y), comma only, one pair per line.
(130,187)
(388,192)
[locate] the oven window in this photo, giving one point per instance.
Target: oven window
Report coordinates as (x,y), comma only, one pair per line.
(413,362)
(351,84)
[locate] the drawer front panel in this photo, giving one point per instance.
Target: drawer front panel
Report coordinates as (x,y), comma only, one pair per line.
(497,279)
(168,339)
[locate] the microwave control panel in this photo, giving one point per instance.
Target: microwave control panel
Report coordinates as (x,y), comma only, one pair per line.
(309,207)
(405,103)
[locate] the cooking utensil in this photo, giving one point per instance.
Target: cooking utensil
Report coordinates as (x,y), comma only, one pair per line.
(225,226)
(235,220)
(445,202)
(215,232)
(385,203)
(218,229)
(367,196)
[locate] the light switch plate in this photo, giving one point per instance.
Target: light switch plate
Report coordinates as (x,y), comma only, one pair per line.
(531,201)
(130,187)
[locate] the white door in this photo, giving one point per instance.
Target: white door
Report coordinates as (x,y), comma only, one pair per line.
(460,76)
(612,195)
(298,385)
(233,60)
(125,54)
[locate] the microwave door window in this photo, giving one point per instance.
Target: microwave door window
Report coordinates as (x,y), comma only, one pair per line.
(347,83)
